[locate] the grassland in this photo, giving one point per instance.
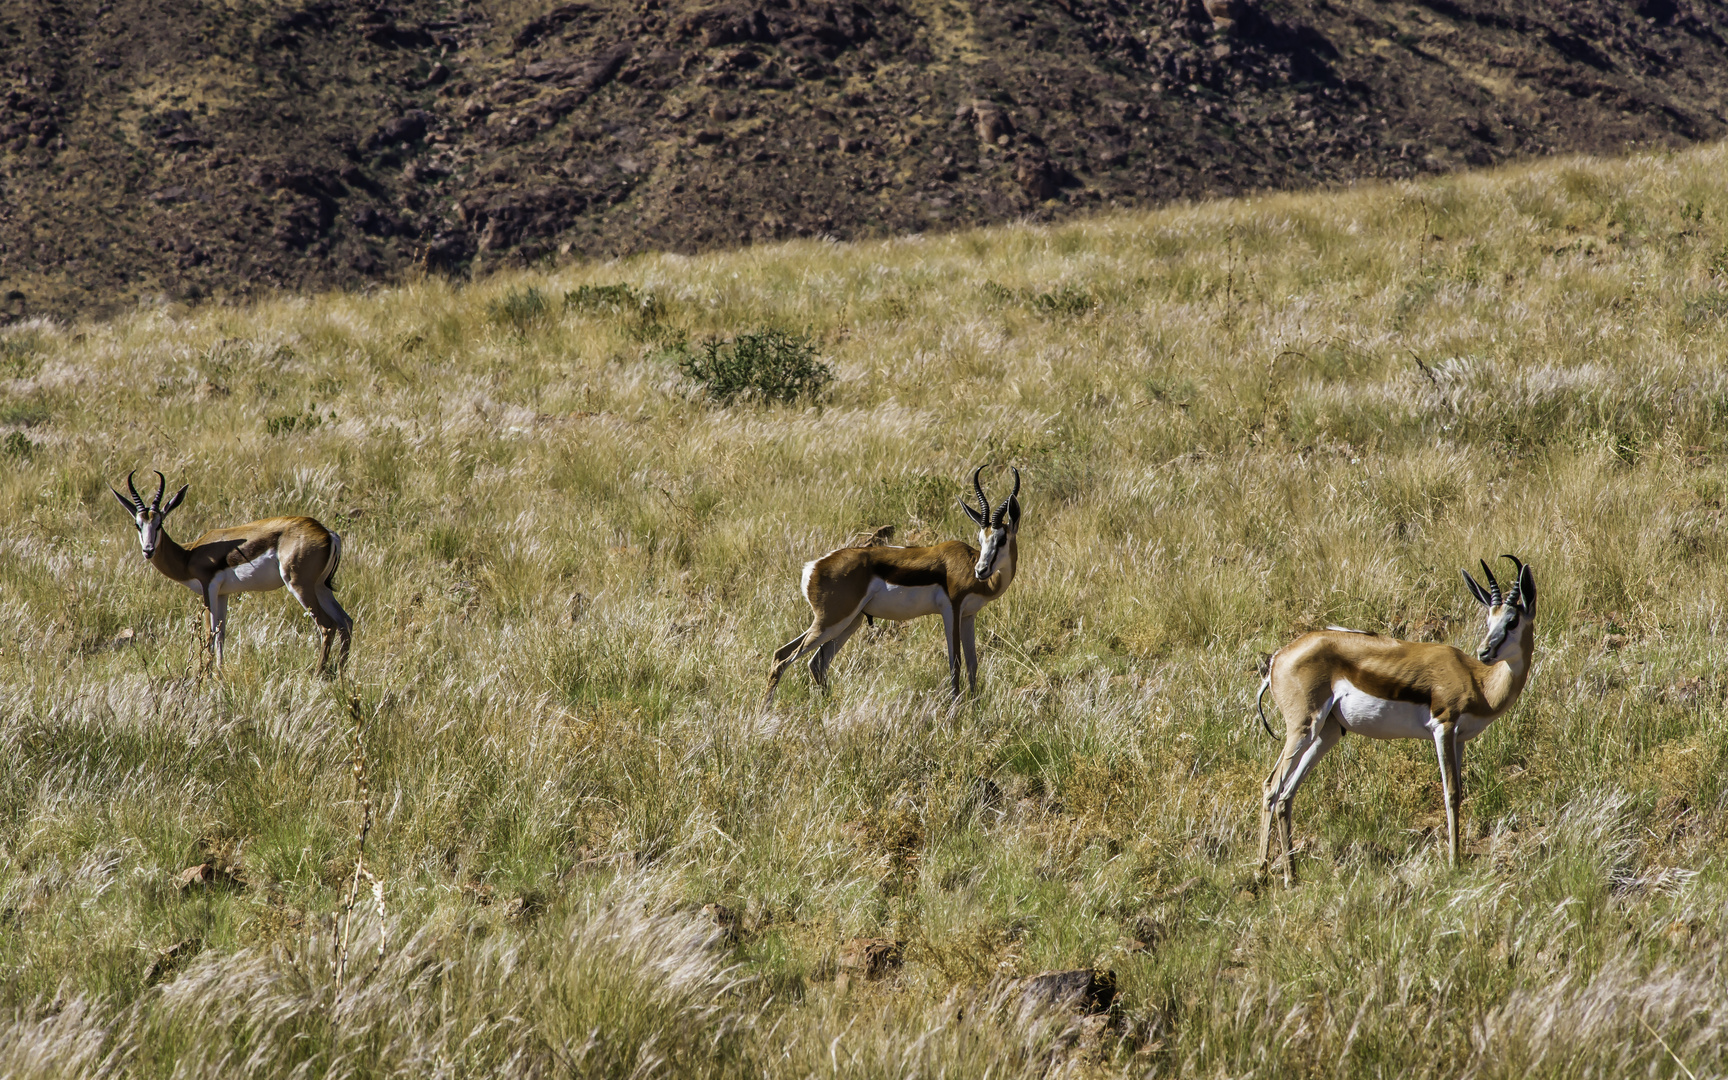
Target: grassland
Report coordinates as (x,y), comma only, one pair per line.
(600,856)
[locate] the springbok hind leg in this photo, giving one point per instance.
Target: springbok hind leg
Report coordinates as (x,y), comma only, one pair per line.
(1306,748)
(791,652)
(823,658)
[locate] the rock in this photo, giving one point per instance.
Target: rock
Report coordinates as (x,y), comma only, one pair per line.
(992,123)
(171,958)
(1039,177)
(407,128)
(586,74)
(725,920)
(557,18)
(871,958)
(208,874)
(1087,991)
(1226,14)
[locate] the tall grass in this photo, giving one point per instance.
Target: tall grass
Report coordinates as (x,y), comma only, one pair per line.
(600,857)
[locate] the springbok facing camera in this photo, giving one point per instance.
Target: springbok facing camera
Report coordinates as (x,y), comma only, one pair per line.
(256,557)
(1337,680)
(899,583)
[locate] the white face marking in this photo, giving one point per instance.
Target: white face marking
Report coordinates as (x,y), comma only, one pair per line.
(149,525)
(1500,641)
(990,543)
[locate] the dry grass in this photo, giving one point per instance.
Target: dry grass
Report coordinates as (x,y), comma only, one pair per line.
(567,570)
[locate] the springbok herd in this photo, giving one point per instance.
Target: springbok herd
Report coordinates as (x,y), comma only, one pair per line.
(1325,683)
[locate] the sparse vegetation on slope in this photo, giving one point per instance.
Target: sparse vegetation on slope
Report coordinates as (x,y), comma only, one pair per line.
(599,856)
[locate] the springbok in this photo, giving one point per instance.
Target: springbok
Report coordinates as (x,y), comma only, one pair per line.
(950,579)
(1336,680)
(256,557)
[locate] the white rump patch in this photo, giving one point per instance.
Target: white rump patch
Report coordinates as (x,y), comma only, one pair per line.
(1350,630)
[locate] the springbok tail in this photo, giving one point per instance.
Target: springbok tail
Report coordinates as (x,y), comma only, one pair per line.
(1260,698)
(334,563)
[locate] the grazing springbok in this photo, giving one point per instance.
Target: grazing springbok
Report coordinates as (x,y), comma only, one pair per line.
(899,583)
(256,557)
(1336,680)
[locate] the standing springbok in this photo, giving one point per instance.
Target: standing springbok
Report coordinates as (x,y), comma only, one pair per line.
(256,557)
(1336,680)
(900,583)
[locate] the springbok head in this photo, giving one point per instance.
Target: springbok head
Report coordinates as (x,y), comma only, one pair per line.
(994,528)
(147,518)
(1509,616)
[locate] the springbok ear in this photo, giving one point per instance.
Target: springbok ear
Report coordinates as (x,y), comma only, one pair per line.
(1527,590)
(977,518)
(1014,512)
(175,501)
(1476,590)
(131,511)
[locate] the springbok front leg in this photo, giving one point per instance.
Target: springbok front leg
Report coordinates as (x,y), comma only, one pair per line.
(1450,752)
(216,607)
(969,646)
(951,635)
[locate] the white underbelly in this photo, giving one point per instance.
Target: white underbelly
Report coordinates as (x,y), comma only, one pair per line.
(260,575)
(1377,718)
(971,605)
(899,602)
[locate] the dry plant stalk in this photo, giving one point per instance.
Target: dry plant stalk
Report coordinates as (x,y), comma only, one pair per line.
(346,918)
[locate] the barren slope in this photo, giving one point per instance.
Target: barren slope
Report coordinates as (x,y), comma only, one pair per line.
(166,148)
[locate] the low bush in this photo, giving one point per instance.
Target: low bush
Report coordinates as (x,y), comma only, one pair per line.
(767,365)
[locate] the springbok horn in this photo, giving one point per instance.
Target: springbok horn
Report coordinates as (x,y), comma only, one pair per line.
(161,486)
(1003,509)
(1517,581)
(1494,597)
(983,503)
(133,488)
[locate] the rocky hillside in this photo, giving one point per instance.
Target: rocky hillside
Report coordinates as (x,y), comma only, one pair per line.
(183,150)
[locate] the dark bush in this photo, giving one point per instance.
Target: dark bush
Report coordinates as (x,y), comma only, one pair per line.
(768,365)
(521,309)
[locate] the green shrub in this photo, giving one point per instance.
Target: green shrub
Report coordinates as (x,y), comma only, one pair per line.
(17,446)
(24,413)
(288,423)
(769,365)
(620,299)
(521,310)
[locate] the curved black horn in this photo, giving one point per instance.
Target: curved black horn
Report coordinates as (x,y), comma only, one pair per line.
(1003,509)
(161,486)
(1494,597)
(983,503)
(133,488)
(1517,580)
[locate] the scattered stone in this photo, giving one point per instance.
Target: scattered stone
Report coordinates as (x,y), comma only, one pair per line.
(208,874)
(1086,991)
(171,958)
(871,958)
(725,920)
(992,123)
(407,128)
(1039,177)
(586,74)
